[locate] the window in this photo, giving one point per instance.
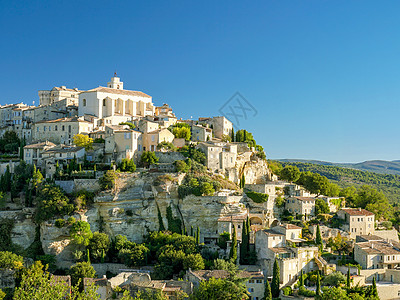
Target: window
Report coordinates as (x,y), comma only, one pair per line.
(104,102)
(259,281)
(55,128)
(153,138)
(44,128)
(84,102)
(251,290)
(251,281)
(63,128)
(127,135)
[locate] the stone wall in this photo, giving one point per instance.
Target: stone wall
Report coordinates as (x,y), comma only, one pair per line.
(70,186)
(169,157)
(102,269)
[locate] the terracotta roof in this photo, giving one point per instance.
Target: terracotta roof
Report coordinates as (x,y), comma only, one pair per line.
(380,247)
(96,281)
(154,284)
(291,226)
(102,89)
(40,145)
(72,119)
(63,149)
(272,232)
(64,89)
(280,250)
(305,198)
(357,212)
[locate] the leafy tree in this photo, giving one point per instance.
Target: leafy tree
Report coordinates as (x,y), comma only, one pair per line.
(166,146)
(267,291)
(334,293)
(314,182)
(216,289)
(318,239)
(275,280)
(81,233)
(134,255)
(50,202)
(38,284)
(181,166)
(182,133)
(339,244)
(107,181)
(223,239)
(290,173)
(373,201)
(37,178)
(222,264)
(81,270)
(149,158)
(334,279)
(9,142)
(82,140)
(99,244)
(127,165)
(321,207)
(206,189)
(350,194)
(233,250)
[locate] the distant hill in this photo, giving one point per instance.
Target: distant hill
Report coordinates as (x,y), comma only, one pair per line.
(345,176)
(376,166)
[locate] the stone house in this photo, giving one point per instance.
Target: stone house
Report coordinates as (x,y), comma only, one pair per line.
(357,221)
(153,138)
(271,245)
(57,94)
(122,142)
(301,205)
(220,125)
(219,155)
(377,254)
(201,134)
(33,153)
(60,131)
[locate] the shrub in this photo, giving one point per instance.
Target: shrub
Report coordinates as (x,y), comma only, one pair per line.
(81,270)
(287,291)
(71,220)
(181,166)
(223,239)
(304,292)
(60,223)
(257,197)
(127,165)
(9,260)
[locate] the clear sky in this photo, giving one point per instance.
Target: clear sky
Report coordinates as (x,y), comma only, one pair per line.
(323,75)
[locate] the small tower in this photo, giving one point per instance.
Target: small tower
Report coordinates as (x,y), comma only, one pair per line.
(115,83)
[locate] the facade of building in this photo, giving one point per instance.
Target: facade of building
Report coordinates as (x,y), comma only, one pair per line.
(122,142)
(60,131)
(358,221)
(219,155)
(377,254)
(114,103)
(57,94)
(301,206)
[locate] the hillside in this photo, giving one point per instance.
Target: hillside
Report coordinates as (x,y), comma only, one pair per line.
(376,166)
(387,183)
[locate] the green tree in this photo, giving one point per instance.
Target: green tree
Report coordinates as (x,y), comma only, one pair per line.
(181,166)
(81,270)
(223,239)
(216,289)
(107,181)
(334,293)
(318,289)
(318,239)
(275,280)
(233,135)
(267,291)
(198,235)
(160,220)
(37,178)
(50,202)
(348,280)
(334,279)
(127,165)
(222,264)
(149,158)
(301,278)
(131,125)
(182,133)
(290,173)
(321,207)
(82,140)
(99,244)
(233,250)
(81,233)
(374,291)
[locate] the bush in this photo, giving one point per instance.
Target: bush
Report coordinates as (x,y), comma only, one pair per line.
(127,165)
(81,270)
(257,197)
(107,181)
(287,291)
(9,260)
(304,292)
(223,239)
(60,223)
(334,279)
(71,220)
(181,166)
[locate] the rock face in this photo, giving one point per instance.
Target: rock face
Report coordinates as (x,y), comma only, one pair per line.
(131,209)
(23,232)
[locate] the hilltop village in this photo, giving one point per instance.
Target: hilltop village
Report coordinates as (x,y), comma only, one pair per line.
(122,199)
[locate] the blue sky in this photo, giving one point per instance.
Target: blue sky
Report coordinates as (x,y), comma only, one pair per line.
(323,75)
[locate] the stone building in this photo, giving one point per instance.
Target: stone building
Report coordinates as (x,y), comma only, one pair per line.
(57,94)
(357,221)
(377,254)
(122,142)
(301,206)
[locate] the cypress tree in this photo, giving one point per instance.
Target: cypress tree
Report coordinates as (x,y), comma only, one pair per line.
(244,135)
(191,231)
(161,226)
(244,244)
(267,291)
(374,291)
(275,280)
(102,256)
(348,278)
(301,279)
(318,239)
(318,291)
(88,255)
(7,179)
(233,251)
(198,236)
(233,135)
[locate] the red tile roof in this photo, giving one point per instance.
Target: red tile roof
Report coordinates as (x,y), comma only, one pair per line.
(102,89)
(357,212)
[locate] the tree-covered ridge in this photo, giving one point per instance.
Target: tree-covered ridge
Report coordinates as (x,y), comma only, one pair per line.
(344,177)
